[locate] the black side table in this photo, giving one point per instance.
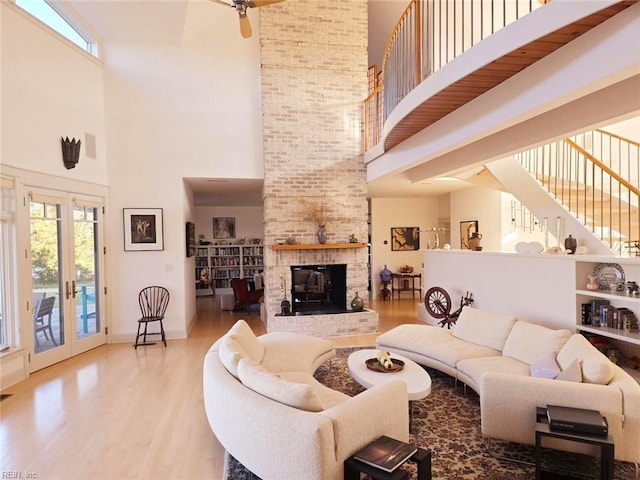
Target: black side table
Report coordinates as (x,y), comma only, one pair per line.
(605,443)
(353,468)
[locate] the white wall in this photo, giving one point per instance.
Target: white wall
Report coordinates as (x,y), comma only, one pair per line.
(482,204)
(50,89)
(174,111)
(190,314)
(249,221)
(387,213)
(492,209)
(160,112)
(527,229)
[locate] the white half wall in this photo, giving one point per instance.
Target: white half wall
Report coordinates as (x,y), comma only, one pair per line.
(535,288)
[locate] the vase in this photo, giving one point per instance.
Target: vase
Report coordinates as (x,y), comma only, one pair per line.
(385,274)
(285,307)
(357,304)
(593,284)
(474,241)
(570,244)
(322,235)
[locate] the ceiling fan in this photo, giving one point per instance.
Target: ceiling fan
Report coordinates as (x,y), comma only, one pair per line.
(241,7)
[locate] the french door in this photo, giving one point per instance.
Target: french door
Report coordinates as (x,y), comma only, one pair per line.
(66,245)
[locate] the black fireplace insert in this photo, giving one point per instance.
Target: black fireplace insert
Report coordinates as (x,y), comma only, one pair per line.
(318,289)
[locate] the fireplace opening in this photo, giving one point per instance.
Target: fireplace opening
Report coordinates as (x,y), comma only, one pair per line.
(318,289)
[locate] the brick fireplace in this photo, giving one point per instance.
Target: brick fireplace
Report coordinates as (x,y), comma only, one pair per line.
(322,325)
(314,80)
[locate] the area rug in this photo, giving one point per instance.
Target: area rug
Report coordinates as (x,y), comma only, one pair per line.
(447,423)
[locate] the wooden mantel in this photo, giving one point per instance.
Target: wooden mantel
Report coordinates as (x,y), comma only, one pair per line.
(319,246)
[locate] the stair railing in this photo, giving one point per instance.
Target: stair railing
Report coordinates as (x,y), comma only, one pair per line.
(430,34)
(602,193)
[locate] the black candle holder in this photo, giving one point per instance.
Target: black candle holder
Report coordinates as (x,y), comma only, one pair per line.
(70,152)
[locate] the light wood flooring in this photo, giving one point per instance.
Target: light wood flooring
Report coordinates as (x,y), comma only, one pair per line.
(120,413)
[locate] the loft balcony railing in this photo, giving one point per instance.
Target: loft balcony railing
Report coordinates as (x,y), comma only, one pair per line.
(430,34)
(596,176)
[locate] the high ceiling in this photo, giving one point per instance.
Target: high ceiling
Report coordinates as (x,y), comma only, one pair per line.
(130,21)
(162,22)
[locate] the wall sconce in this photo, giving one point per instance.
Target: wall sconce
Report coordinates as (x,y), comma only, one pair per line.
(70,151)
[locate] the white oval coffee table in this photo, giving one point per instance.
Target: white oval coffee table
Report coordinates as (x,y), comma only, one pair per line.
(417,379)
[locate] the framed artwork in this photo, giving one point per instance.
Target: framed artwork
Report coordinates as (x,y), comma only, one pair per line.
(405,238)
(466,229)
(224,227)
(190,237)
(143,229)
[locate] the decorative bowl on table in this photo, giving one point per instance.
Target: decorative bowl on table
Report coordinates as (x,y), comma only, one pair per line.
(376,366)
(406,269)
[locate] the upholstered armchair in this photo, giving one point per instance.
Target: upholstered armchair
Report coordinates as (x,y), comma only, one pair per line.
(244,297)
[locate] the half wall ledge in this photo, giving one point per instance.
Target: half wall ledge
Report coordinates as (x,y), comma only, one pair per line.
(319,246)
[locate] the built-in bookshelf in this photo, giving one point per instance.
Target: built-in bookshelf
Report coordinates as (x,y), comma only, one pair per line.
(618,335)
(226,262)
(203,288)
(252,260)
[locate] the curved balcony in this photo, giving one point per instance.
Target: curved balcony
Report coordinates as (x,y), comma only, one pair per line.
(435,41)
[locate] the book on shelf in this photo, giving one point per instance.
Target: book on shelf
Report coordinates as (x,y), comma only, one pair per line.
(620,318)
(386,453)
(595,310)
(586,313)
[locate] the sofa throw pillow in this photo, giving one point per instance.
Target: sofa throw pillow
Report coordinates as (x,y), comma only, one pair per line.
(262,381)
(483,328)
(576,347)
(573,373)
(546,367)
(529,341)
(241,332)
(230,353)
(596,368)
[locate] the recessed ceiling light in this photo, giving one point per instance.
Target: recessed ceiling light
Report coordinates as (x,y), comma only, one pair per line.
(217,180)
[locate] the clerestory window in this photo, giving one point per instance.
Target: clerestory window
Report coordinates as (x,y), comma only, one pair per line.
(43,11)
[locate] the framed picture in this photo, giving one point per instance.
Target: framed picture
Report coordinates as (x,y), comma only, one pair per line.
(466,229)
(224,227)
(143,229)
(190,237)
(405,238)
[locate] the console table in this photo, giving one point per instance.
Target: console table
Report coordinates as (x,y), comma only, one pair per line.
(398,284)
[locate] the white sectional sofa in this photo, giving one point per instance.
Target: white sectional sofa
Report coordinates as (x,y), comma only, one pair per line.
(270,413)
(516,366)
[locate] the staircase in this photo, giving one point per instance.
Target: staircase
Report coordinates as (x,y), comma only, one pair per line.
(595,177)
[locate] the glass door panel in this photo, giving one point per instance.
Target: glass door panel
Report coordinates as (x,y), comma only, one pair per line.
(46,273)
(66,272)
(85,230)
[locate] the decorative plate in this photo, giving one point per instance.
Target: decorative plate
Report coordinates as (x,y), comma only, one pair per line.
(374,364)
(608,273)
